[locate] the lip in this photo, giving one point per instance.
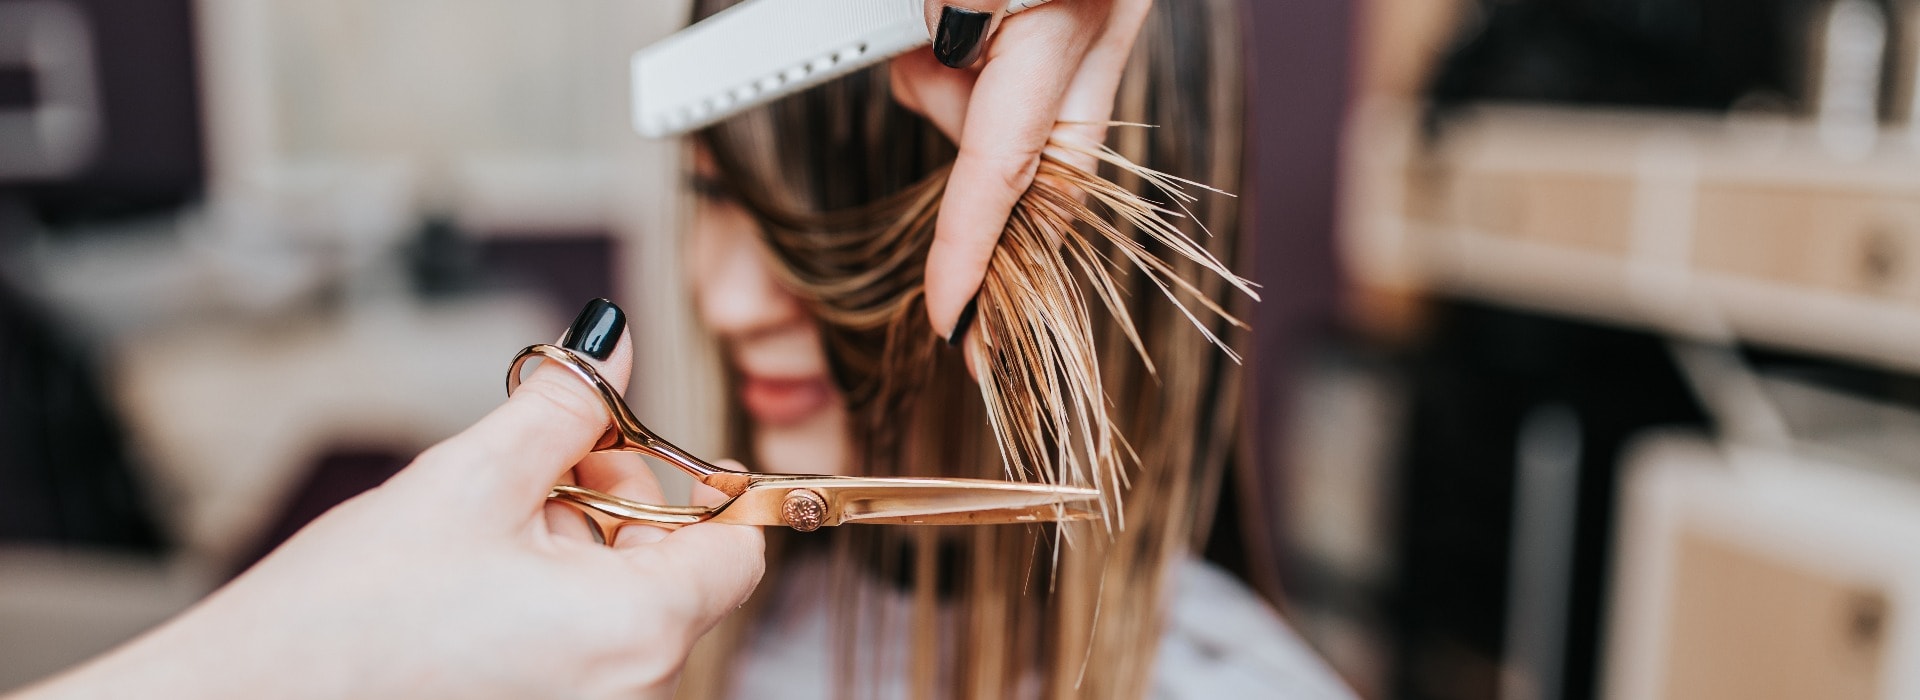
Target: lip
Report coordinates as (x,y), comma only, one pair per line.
(774,401)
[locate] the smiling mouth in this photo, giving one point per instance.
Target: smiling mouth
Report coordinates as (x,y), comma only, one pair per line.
(779,402)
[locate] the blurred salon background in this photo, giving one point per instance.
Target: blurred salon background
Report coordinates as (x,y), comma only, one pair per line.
(1589,366)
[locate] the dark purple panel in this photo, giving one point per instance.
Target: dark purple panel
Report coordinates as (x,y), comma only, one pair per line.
(1299,86)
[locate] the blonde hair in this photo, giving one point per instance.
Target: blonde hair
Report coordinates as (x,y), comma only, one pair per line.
(846,186)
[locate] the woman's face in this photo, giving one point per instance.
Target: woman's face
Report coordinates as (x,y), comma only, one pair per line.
(771,343)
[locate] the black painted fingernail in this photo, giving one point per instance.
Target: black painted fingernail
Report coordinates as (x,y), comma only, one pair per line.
(963,325)
(596,330)
(958,38)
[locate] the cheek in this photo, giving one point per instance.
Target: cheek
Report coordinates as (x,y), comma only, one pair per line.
(738,298)
(706,247)
(722,265)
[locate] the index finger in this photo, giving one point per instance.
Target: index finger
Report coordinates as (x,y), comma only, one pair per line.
(1014,106)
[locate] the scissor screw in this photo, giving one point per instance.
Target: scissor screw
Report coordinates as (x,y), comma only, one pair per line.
(804,510)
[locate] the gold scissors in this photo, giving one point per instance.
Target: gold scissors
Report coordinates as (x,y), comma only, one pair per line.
(804,502)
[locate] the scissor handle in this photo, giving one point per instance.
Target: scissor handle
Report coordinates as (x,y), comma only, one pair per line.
(609,513)
(800,508)
(630,510)
(627,433)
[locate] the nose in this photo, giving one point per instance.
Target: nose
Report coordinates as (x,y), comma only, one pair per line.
(737,295)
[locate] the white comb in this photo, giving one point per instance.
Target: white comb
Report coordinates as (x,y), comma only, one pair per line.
(762,50)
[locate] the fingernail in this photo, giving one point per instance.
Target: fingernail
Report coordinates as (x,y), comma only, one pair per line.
(957,40)
(596,330)
(963,325)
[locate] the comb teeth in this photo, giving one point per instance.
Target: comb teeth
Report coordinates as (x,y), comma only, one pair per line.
(762,50)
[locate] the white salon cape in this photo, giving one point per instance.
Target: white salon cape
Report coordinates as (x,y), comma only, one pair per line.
(1220,641)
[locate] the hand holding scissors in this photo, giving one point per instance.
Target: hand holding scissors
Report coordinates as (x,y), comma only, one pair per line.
(462,577)
(803,502)
(456,579)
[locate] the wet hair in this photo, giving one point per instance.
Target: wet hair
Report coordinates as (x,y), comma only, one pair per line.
(1095,342)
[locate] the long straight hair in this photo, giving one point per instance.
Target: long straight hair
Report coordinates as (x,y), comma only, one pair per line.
(1094,341)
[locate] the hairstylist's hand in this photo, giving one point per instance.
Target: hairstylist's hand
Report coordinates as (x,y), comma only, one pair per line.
(453,580)
(1005,85)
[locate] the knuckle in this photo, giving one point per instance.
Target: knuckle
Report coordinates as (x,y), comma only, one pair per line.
(1012,169)
(1017,174)
(1020,176)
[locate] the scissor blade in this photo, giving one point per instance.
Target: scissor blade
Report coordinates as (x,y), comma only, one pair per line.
(1048,513)
(902,501)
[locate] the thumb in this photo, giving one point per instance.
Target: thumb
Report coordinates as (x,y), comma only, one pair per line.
(551,421)
(960,28)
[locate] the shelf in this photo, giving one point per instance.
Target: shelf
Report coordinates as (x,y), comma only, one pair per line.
(1694,225)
